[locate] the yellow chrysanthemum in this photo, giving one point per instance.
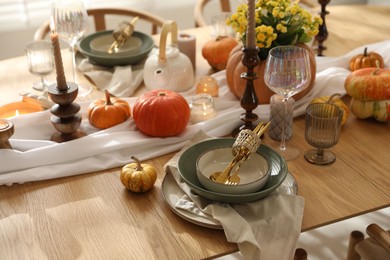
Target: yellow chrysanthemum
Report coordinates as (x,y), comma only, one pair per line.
(275,17)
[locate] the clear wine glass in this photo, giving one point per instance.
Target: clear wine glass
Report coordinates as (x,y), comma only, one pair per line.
(40,61)
(70,21)
(287,73)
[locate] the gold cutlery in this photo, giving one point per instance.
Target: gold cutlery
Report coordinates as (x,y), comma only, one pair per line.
(121,34)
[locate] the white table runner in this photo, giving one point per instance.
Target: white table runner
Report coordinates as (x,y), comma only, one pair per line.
(35,158)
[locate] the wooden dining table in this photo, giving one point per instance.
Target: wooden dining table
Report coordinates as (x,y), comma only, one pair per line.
(92,216)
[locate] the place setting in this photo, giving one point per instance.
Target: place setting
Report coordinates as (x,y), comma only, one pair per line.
(257,193)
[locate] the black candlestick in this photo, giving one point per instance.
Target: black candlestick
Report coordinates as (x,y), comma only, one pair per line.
(323,31)
(249,100)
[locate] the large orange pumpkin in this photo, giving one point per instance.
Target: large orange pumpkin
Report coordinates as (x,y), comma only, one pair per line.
(235,68)
(161,113)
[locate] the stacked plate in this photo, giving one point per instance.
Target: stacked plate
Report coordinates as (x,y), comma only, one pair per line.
(187,170)
(96,45)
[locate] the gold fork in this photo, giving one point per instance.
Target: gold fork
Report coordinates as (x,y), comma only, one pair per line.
(234,179)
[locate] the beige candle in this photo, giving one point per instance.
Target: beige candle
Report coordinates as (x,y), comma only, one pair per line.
(61,81)
(187,46)
(250,33)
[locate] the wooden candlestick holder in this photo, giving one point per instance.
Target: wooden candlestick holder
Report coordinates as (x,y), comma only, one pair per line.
(322,30)
(249,100)
(6,131)
(65,117)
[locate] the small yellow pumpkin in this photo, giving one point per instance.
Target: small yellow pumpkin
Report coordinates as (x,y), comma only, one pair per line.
(334,99)
(107,112)
(138,177)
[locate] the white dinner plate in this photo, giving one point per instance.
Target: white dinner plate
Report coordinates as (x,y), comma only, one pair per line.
(172,194)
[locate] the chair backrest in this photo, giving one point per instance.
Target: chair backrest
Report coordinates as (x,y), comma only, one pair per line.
(199,10)
(377,246)
(225,5)
(100,14)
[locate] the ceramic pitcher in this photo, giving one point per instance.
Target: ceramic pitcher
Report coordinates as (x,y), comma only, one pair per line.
(168,68)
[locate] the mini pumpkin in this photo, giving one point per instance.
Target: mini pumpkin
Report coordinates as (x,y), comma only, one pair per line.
(161,113)
(334,99)
(216,52)
(138,177)
(107,112)
(366,60)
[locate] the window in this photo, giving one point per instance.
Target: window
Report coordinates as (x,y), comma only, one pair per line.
(24,14)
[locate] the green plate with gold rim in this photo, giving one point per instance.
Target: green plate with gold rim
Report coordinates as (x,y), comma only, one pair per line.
(116,60)
(187,171)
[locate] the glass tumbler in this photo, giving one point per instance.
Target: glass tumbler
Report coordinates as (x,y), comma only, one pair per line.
(40,61)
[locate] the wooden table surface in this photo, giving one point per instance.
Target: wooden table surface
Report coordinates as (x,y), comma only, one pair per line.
(93,216)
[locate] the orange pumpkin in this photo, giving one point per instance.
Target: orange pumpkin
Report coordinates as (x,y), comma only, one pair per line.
(216,52)
(366,60)
(107,112)
(161,113)
(368,84)
(234,69)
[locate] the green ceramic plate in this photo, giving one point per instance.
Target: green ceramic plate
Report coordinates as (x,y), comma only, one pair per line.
(116,60)
(187,170)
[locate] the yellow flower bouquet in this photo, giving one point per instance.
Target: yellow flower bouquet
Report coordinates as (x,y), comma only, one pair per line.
(278,22)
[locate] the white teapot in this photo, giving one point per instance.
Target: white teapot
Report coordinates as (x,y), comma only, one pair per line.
(168,68)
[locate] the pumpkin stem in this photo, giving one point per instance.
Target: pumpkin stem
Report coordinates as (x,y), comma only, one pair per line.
(365,52)
(161,94)
(378,67)
(330,100)
(139,166)
(108,99)
(219,37)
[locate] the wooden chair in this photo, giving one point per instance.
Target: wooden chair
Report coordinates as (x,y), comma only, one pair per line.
(375,247)
(200,20)
(99,16)
(226,7)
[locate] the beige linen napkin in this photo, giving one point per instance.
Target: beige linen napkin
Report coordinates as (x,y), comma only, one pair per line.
(120,81)
(265,229)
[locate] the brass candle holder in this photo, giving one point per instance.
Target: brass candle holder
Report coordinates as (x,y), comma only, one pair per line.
(249,100)
(6,131)
(65,117)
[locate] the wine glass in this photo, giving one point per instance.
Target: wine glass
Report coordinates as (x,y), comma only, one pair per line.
(70,21)
(322,130)
(40,61)
(287,73)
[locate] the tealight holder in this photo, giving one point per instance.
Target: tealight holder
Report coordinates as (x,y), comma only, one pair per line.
(65,117)
(208,85)
(202,108)
(6,131)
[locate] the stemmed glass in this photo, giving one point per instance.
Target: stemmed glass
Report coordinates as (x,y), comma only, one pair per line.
(287,73)
(70,19)
(40,61)
(322,130)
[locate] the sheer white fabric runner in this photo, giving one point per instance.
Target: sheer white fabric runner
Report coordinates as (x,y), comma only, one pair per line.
(35,158)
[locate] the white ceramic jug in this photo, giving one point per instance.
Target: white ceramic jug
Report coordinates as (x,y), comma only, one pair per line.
(168,68)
